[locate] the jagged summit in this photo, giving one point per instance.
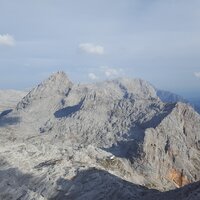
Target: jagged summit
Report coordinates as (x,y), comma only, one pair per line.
(140,88)
(42,100)
(57,77)
(58,84)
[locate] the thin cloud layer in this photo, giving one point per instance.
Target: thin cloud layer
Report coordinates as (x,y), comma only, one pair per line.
(91,48)
(105,72)
(92,76)
(197,74)
(111,72)
(7,40)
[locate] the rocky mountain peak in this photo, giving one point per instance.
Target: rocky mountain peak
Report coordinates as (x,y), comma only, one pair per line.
(136,88)
(57,85)
(57,82)
(58,77)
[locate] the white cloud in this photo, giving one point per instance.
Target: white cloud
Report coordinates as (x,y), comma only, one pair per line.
(197,74)
(91,48)
(7,40)
(92,76)
(110,72)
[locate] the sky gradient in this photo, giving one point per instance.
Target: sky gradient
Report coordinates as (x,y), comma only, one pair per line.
(93,40)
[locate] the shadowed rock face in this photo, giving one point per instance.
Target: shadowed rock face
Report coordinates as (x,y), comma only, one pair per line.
(6,121)
(87,184)
(99,141)
(68,111)
(172,147)
(98,184)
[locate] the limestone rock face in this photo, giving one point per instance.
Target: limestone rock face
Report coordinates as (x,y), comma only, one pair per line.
(42,100)
(172,146)
(98,141)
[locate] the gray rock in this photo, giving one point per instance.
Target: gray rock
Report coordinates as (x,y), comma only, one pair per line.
(98,141)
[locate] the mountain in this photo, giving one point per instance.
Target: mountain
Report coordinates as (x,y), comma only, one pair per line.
(172,148)
(170,97)
(44,98)
(98,141)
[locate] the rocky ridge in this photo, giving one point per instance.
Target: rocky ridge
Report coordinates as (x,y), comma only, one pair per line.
(115,133)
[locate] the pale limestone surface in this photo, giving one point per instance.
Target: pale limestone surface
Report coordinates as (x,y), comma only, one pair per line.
(98,141)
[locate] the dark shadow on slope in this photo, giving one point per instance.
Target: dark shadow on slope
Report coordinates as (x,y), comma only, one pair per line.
(128,149)
(15,185)
(68,111)
(5,112)
(11,180)
(188,192)
(98,184)
(6,121)
(131,146)
(89,184)
(156,120)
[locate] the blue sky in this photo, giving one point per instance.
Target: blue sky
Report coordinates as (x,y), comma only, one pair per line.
(92,40)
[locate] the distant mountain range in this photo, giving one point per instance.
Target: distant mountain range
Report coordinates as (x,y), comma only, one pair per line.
(118,139)
(170,97)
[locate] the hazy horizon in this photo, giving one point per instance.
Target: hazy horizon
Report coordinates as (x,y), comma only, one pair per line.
(157,41)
